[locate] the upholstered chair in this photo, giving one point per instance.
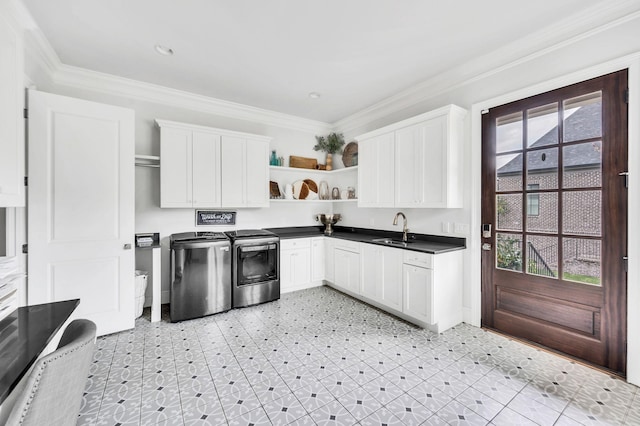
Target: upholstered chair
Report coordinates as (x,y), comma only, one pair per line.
(53,392)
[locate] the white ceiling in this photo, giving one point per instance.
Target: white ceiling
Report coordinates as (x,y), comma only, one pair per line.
(272,53)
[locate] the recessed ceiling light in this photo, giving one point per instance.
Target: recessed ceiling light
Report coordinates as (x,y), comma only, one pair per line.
(163,50)
(314,95)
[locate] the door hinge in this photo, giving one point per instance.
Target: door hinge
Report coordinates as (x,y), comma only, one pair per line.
(25,113)
(625,259)
(626,96)
(26,181)
(626,178)
(25,248)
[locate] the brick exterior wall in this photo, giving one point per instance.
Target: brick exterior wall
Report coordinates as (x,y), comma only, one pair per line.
(581,216)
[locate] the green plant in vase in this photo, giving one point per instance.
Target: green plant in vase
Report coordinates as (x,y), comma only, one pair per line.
(330,144)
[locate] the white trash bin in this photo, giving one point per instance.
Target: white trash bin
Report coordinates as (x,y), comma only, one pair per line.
(141,288)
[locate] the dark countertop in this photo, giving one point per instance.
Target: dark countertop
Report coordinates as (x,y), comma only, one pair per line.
(434,244)
(24,334)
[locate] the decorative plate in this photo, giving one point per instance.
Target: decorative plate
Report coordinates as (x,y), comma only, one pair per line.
(350,154)
(300,190)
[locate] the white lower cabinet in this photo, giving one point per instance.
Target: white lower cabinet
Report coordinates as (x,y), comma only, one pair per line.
(328,259)
(382,275)
(295,264)
(317,259)
(346,263)
(432,287)
(422,288)
(417,286)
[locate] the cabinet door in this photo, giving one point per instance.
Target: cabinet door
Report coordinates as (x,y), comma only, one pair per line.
(233,166)
(206,169)
(317,259)
(382,275)
(295,269)
(175,168)
(376,171)
(391,282)
(286,270)
(421,164)
(418,293)
(257,173)
(12,160)
(347,270)
(301,267)
(329,260)
(372,269)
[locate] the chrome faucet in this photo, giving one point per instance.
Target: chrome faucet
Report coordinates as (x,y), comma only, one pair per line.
(404,227)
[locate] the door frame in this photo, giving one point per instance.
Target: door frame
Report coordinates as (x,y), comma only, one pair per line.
(632,63)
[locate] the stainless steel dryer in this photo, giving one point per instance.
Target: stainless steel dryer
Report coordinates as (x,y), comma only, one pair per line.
(200,274)
(256,266)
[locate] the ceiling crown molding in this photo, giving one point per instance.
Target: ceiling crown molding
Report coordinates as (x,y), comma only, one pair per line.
(594,20)
(39,48)
(67,75)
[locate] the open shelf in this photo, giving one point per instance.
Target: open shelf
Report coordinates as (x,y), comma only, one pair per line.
(282,200)
(320,172)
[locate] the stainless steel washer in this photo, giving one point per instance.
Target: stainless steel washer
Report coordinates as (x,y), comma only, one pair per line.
(200,274)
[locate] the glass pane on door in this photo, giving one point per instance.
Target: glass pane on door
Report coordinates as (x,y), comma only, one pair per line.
(542,212)
(542,125)
(581,213)
(581,260)
(542,168)
(509,251)
(509,172)
(542,256)
(582,167)
(509,212)
(582,117)
(509,132)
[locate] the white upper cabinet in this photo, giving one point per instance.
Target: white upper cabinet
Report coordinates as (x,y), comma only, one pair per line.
(376,178)
(245,172)
(175,170)
(12,148)
(415,163)
(234,151)
(189,168)
(203,167)
(257,173)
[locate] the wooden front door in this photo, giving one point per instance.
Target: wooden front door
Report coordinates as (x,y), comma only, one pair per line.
(554,196)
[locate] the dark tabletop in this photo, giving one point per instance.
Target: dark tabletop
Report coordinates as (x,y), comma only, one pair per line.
(23,336)
(434,244)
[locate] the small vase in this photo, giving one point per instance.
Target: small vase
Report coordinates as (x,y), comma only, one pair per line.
(274,160)
(329,161)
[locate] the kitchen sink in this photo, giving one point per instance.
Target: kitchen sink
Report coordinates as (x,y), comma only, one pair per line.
(390,241)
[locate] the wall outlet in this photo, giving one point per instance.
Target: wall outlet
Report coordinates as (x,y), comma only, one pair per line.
(446,227)
(461,228)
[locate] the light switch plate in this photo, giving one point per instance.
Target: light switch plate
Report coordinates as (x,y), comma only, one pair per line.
(461,228)
(446,227)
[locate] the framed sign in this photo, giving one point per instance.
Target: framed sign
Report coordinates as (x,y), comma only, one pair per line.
(212,218)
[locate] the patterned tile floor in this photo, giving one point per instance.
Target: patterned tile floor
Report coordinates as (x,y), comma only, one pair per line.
(319,357)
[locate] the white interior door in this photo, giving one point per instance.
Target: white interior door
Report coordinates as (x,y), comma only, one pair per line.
(81,208)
